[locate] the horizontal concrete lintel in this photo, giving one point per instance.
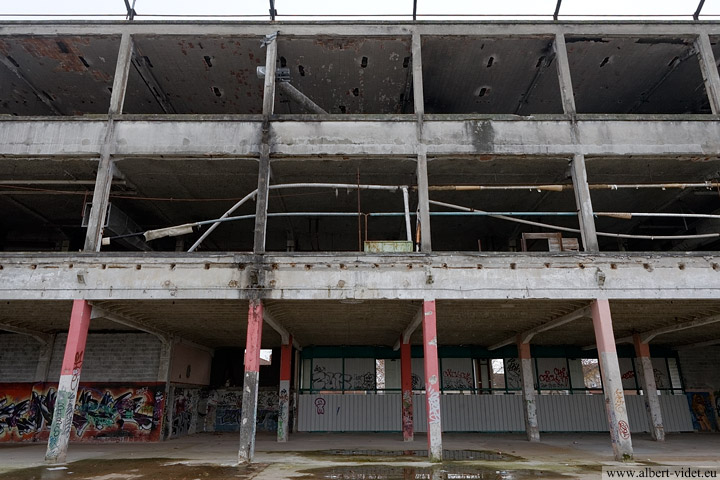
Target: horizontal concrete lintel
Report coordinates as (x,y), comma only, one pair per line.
(352,276)
(510,28)
(369,138)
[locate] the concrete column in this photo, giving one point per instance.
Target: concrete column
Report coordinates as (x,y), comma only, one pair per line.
(69,382)
(284,396)
(612,382)
(103,180)
(709,70)
(584,204)
(528,391)
(296,389)
(563,67)
(407,392)
(646,376)
(263,191)
(43,365)
(422,178)
(166,349)
(250,383)
(432,381)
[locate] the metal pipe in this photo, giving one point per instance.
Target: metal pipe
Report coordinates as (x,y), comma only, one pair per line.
(575,230)
(406,202)
(224,215)
(562,187)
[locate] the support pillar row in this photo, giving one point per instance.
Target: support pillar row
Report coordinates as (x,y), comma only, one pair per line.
(432,381)
(408,427)
(284,394)
(69,381)
(612,381)
(528,391)
(248,420)
(646,375)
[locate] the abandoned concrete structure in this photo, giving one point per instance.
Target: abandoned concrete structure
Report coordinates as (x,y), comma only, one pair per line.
(437,226)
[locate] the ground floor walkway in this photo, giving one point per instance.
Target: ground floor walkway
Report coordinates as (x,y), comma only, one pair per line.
(357,456)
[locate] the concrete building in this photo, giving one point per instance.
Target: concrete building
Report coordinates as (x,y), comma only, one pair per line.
(437,227)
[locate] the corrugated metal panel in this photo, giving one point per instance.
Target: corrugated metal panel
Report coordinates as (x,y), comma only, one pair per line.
(676,413)
(349,413)
(481,413)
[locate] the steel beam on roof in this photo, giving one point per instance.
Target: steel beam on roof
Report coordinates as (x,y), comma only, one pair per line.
(696,15)
(139,61)
(527,335)
(557,10)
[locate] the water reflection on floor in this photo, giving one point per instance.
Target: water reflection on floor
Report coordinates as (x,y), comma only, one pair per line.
(388,472)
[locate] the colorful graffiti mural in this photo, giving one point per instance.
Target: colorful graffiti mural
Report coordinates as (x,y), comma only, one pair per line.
(703,411)
(101,412)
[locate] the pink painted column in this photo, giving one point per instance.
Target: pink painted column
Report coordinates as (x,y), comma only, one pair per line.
(407,392)
(432,381)
(250,385)
(646,375)
(528,391)
(612,381)
(69,382)
(284,396)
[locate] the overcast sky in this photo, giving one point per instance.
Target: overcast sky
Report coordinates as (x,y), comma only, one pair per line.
(365,7)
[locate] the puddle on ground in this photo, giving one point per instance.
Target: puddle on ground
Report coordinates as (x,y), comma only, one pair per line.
(486,455)
(133,469)
(387,472)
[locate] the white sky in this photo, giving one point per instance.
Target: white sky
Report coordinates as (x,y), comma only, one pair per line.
(570,8)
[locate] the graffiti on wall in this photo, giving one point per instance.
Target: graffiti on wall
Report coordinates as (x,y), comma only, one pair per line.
(457,379)
(185,411)
(703,411)
(101,412)
(557,378)
(324,379)
(227,406)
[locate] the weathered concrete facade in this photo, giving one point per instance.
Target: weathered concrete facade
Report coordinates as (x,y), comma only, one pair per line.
(547,185)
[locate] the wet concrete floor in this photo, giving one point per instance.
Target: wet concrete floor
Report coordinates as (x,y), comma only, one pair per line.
(134,469)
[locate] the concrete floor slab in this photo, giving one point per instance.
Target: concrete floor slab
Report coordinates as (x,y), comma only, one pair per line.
(571,455)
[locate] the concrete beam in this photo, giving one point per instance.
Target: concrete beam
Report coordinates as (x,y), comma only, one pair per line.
(407,333)
(526,336)
(99,312)
(285,336)
(707,343)
(583,202)
(708,66)
(432,381)
(564,79)
(42,337)
(646,337)
(339,276)
(375,136)
(104,178)
(248,423)
(314,29)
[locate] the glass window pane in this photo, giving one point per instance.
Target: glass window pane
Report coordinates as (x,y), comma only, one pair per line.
(498,373)
(418,374)
(591,373)
(553,373)
(359,374)
(392,373)
(627,373)
(513,374)
(327,374)
(457,374)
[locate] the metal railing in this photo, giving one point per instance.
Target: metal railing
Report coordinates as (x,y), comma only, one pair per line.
(412,14)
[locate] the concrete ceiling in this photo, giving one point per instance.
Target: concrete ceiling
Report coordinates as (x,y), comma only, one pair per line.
(66,75)
(224,323)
